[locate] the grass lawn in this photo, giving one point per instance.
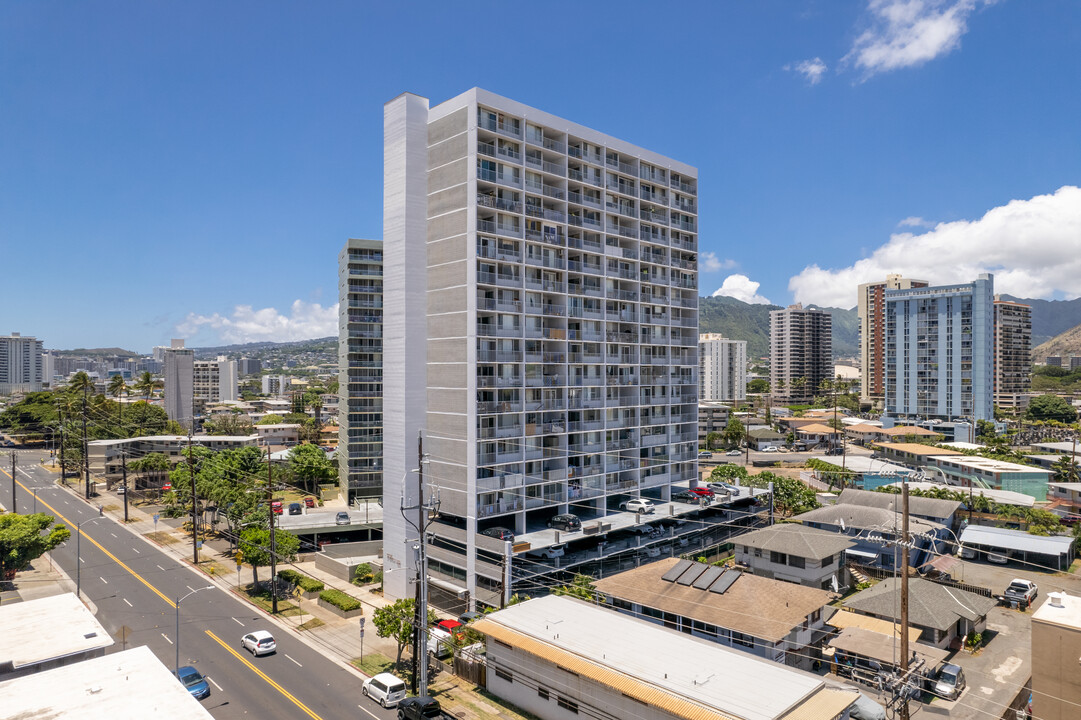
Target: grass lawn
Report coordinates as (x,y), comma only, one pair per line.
(311,624)
(262,599)
(373,663)
(163,538)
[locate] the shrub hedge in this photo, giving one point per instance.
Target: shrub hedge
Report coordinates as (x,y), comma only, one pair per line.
(303,582)
(340,600)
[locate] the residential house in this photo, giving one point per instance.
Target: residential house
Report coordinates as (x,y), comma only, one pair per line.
(873,531)
(943,512)
(795,554)
(943,614)
(764,438)
(287,434)
(711,602)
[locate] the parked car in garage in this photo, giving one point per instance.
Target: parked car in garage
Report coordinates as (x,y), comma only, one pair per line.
(565,521)
(684,496)
(636,505)
(499,533)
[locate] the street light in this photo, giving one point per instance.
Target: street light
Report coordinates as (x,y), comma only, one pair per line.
(79,551)
(177,639)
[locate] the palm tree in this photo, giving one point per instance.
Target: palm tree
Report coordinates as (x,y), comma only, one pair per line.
(146,384)
(81,382)
(798,384)
(118,388)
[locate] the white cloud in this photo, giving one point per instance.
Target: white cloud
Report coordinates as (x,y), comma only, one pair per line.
(914,221)
(812,70)
(245,324)
(709,262)
(742,288)
(907,33)
(1032,246)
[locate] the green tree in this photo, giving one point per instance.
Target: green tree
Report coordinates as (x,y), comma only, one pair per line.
(255,546)
(81,382)
(758,386)
(396,622)
(581,587)
(711,440)
(118,387)
(145,385)
(724,473)
(271,419)
(22,540)
(310,466)
(1050,407)
(229,424)
(790,496)
(734,432)
(1066,469)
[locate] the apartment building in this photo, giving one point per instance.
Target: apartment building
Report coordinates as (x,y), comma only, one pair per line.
(360,369)
(275,384)
(939,351)
(1013,352)
(249,366)
(871,311)
(214,381)
(541,297)
(179,383)
(20,364)
(722,368)
(801,353)
(1056,675)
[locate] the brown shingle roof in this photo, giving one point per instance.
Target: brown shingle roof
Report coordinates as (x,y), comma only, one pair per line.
(767,609)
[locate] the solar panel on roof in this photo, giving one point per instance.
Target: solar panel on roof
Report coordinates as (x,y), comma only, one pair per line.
(725,581)
(691,574)
(677,570)
(706,579)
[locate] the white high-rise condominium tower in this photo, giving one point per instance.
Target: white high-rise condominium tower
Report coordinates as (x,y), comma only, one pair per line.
(179,387)
(215,380)
(722,368)
(541,331)
(801,353)
(20,364)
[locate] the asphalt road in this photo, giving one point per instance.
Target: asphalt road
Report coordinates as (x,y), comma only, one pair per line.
(135,585)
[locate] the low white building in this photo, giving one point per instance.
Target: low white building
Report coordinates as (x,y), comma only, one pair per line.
(561,659)
(47,633)
(128,684)
(287,434)
(796,554)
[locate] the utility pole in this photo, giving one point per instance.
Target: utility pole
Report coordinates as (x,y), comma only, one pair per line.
(904,600)
(194,504)
(273,537)
(63,469)
(426,514)
(124,469)
(86,452)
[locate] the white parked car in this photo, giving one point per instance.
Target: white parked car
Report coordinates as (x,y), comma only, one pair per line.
(733,453)
(1022,590)
(552,551)
(641,505)
(385,689)
(259,642)
(771,448)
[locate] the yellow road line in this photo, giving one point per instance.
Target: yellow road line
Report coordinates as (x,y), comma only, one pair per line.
(114,558)
(263,675)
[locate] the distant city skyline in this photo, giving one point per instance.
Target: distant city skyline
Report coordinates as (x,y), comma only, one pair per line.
(166,176)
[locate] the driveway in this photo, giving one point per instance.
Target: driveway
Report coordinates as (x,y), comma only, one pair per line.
(996,577)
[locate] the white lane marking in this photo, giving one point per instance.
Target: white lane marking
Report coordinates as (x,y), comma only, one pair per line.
(297,664)
(137,550)
(82,561)
(167,638)
(114,535)
(126,600)
(189,587)
(161,568)
(103,580)
(238,622)
(215,684)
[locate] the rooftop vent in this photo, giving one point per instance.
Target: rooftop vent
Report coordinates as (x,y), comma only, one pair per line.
(1056,599)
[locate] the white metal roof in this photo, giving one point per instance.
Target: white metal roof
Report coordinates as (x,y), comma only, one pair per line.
(1003,497)
(729,681)
(864,464)
(986,463)
(1015,540)
(129,684)
(37,631)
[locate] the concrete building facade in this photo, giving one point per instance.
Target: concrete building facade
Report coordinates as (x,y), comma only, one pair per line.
(360,369)
(1056,669)
(722,368)
(871,311)
(179,387)
(939,351)
(214,381)
(21,368)
(801,353)
(541,305)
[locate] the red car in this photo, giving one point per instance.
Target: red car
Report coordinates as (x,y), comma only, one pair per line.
(309,502)
(448,625)
(276,507)
(702,492)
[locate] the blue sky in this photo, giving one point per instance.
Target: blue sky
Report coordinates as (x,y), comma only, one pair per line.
(192,169)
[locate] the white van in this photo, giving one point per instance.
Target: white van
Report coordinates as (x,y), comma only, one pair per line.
(385,689)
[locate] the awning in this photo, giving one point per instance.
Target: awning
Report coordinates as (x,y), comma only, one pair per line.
(456,589)
(866,554)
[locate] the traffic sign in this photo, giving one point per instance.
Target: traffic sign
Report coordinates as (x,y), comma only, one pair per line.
(156,516)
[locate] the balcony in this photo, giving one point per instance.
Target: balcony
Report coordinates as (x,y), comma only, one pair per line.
(486,330)
(491,201)
(501,279)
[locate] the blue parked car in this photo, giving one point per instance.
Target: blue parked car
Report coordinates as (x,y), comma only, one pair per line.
(194,681)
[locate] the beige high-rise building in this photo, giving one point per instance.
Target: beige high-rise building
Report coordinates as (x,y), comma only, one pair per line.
(800,351)
(1056,658)
(1013,351)
(871,310)
(20,364)
(179,390)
